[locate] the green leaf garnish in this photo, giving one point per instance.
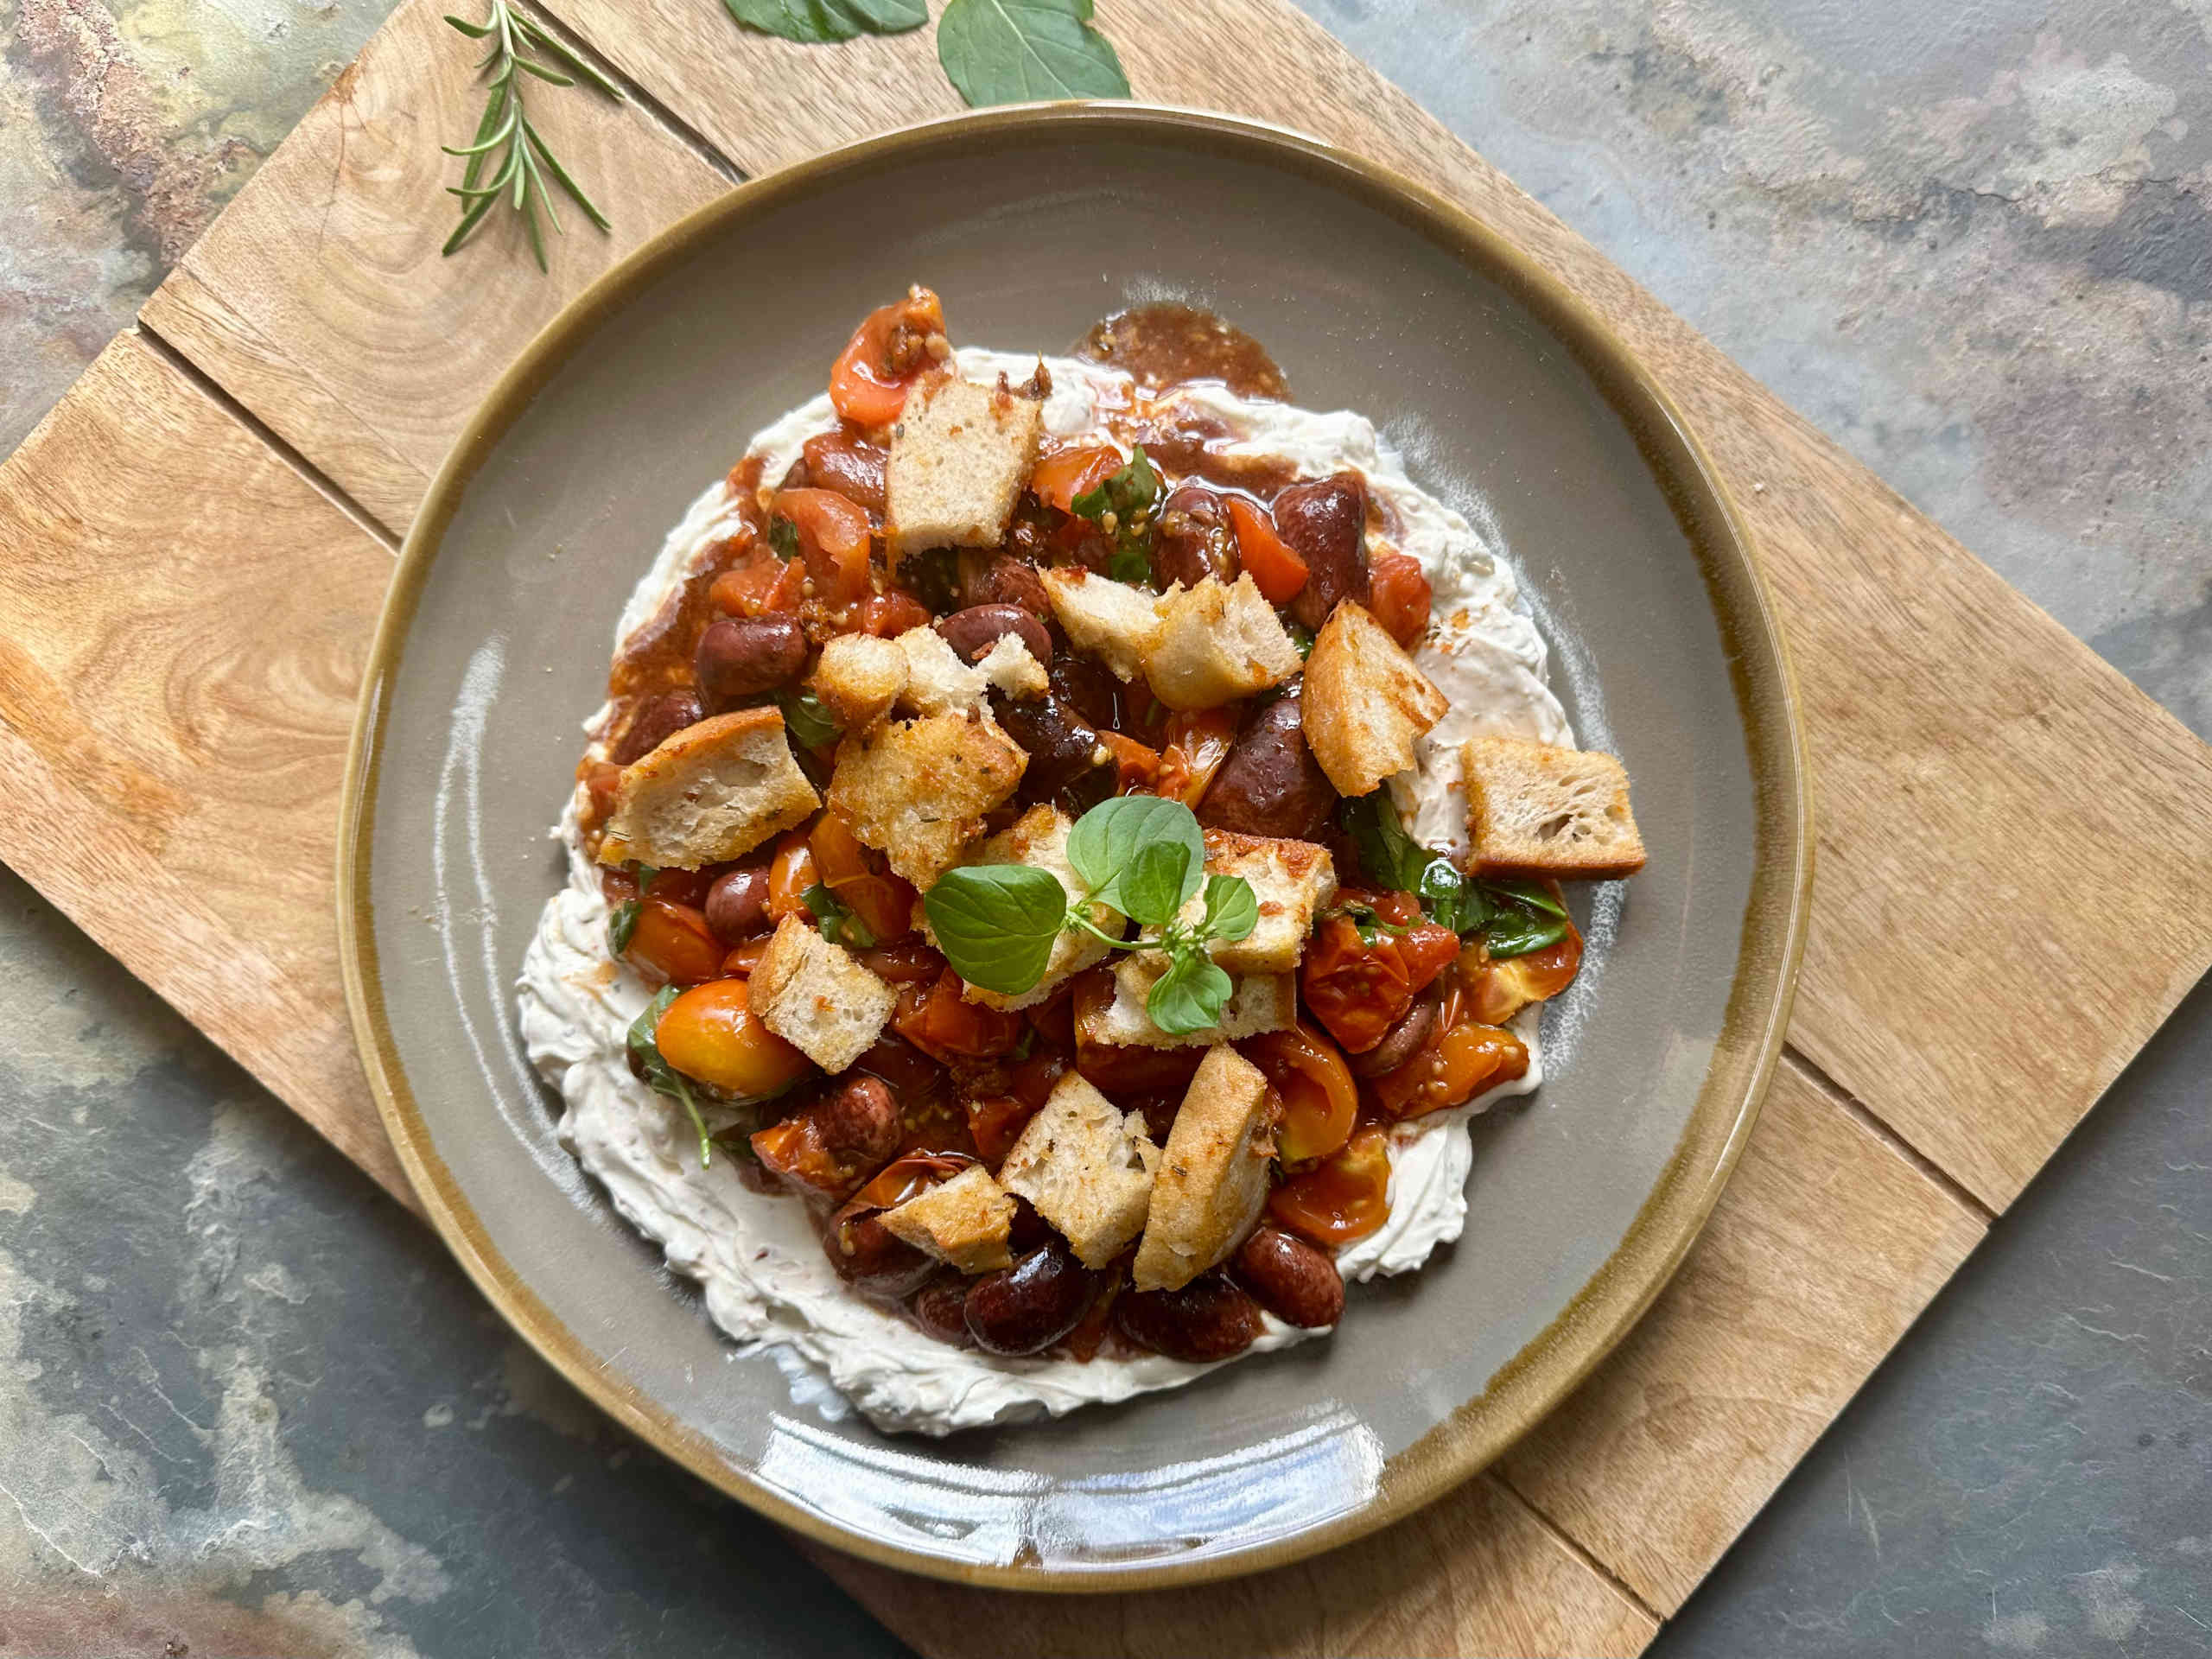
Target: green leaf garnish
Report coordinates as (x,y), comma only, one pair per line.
(1515,933)
(1014,51)
(1190,996)
(1511,917)
(1301,636)
(814,22)
(1107,837)
(1121,506)
(1150,889)
(621,925)
(665,1078)
(782,538)
(808,719)
(840,923)
(1232,908)
(996,923)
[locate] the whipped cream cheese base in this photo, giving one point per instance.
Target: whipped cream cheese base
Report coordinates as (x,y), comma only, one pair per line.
(756,1256)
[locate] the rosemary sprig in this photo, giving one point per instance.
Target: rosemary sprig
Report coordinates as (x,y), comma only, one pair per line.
(505,142)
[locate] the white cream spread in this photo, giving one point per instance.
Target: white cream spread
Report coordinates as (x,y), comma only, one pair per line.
(756,1256)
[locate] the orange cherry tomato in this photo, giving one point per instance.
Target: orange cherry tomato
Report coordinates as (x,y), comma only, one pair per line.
(1319,1099)
(1449,1070)
(1136,766)
(883,902)
(1344,1199)
(601,777)
(946,1026)
(744,958)
(890,614)
(1398,596)
(1498,990)
(1061,477)
(868,384)
(674,941)
(833,538)
(759,584)
(1266,558)
(1360,990)
(1194,746)
(711,1033)
(791,873)
(996,1123)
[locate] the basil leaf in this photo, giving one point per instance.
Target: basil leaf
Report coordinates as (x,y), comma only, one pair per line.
(782,538)
(664,1078)
(1011,51)
(621,925)
(1534,895)
(1516,933)
(1126,499)
(840,925)
(1391,856)
(1151,885)
(1189,997)
(1232,908)
(808,719)
(996,923)
(1107,837)
(1451,899)
(815,21)
(1131,564)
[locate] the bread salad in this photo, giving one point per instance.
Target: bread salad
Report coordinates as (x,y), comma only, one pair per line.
(1068,844)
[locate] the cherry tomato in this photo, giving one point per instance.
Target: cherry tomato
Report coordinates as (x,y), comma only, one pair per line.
(711,1033)
(909,1176)
(1032,1080)
(1195,745)
(1398,596)
(759,584)
(833,538)
(791,873)
(1084,1342)
(674,942)
(903,963)
(1498,990)
(883,902)
(1278,572)
(1450,1069)
(891,612)
(1136,766)
(686,888)
(744,958)
(996,1121)
(868,384)
(1116,1069)
(913,1075)
(1346,1198)
(1320,1100)
(1054,1019)
(945,1026)
(1061,477)
(1358,991)
(601,777)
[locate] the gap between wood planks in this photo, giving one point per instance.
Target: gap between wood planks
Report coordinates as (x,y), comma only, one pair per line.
(654,111)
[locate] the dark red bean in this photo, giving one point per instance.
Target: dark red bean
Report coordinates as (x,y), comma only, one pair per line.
(740,657)
(939,1307)
(1194,538)
(860,1121)
(1027,1307)
(656,720)
(1065,750)
(1398,1043)
(737,905)
(871,1258)
(852,466)
(1294,1281)
(1028,1229)
(1001,579)
(1208,1318)
(1090,688)
(973,631)
(1270,783)
(1324,523)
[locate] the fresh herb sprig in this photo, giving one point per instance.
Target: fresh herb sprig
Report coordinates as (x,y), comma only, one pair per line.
(644,1051)
(841,923)
(1513,919)
(1121,506)
(525,162)
(1140,856)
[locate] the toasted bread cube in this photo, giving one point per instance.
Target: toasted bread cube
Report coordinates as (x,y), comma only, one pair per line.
(1113,621)
(1038,838)
(965,1222)
(1293,881)
(916,790)
(1216,644)
(1365,703)
(1536,810)
(939,682)
(814,996)
(858,677)
(959,456)
(714,789)
(1213,1172)
(1257,1002)
(1087,1166)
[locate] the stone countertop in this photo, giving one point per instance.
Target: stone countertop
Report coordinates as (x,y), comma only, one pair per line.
(246,1405)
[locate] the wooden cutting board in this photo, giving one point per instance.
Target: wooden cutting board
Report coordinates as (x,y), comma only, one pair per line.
(2015,846)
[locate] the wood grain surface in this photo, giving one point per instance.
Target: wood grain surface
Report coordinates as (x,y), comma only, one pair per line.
(2016,848)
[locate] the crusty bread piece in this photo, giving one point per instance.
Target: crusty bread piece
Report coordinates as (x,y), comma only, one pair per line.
(1038,838)
(1213,1172)
(1365,703)
(858,677)
(959,456)
(1216,644)
(1536,810)
(1291,880)
(1113,621)
(814,996)
(916,790)
(964,1221)
(939,682)
(1087,1166)
(715,790)
(1257,1002)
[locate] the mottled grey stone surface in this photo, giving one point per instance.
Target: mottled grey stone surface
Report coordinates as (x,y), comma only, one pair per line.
(247,1404)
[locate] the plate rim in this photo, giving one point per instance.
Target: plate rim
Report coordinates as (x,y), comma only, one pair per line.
(1753,1031)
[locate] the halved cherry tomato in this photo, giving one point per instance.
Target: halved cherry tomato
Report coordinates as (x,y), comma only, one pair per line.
(1194,746)
(791,873)
(758,584)
(1448,1070)
(1089,1335)
(996,1121)
(904,962)
(1319,1099)
(913,1075)
(674,942)
(711,1033)
(686,887)
(1120,1069)
(1136,766)
(1398,596)
(909,1176)
(868,384)
(833,539)
(744,958)
(1054,1018)
(883,902)
(1360,990)
(1266,558)
(1061,477)
(1498,990)
(890,614)
(945,1026)
(600,781)
(1344,1199)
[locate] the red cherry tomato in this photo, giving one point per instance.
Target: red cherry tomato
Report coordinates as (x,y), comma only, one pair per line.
(868,382)
(1319,1099)
(1344,1199)
(1398,596)
(1266,558)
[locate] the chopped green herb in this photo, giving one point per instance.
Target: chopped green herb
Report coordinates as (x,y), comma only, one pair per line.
(840,924)
(782,538)
(1512,918)
(665,1078)
(808,720)
(622,923)
(1301,636)
(1121,506)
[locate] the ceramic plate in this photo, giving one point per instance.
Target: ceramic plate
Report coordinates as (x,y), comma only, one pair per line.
(1507,399)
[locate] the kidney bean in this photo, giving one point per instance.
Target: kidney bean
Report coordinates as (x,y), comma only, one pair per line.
(1193,539)
(939,1307)
(1090,688)
(656,720)
(1270,783)
(860,1121)
(973,631)
(1028,1229)
(1324,523)
(1027,1307)
(873,1259)
(1064,748)
(1398,1043)
(737,905)
(1293,1280)
(1208,1318)
(852,466)
(1001,579)
(740,657)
